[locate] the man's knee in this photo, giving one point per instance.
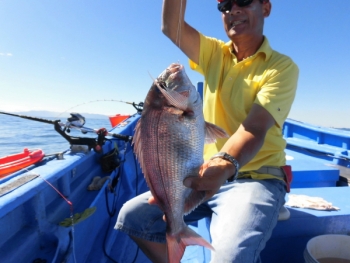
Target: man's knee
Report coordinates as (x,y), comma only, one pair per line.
(133,209)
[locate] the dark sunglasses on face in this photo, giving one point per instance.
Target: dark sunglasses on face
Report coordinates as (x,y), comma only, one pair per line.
(226,5)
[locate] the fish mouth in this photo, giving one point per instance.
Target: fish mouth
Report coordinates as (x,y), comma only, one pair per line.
(168,75)
(175,67)
(165,80)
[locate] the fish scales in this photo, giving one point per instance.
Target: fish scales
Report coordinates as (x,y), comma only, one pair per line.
(169,142)
(171,157)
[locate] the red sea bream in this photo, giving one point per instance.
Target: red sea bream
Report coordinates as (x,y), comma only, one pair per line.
(168,142)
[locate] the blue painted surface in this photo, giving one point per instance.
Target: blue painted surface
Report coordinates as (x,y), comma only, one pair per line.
(309,171)
(200,88)
(329,143)
(29,215)
(290,237)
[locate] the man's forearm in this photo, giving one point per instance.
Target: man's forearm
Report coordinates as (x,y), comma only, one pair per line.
(244,145)
(173,18)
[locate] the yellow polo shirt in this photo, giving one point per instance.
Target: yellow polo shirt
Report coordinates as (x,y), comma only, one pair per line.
(267,78)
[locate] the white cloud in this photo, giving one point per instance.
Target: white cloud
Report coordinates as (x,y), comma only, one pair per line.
(6,54)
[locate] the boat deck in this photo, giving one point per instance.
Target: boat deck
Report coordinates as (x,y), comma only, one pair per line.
(32,212)
(289,238)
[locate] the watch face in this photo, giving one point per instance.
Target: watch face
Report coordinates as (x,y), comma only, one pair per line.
(221,154)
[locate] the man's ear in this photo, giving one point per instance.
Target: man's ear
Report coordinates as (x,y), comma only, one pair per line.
(267,8)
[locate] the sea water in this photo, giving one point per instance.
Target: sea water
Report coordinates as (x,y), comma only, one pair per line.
(18,133)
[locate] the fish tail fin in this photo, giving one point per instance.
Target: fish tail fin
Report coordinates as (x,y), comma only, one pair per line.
(176,244)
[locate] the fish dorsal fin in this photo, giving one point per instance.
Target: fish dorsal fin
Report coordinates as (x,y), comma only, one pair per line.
(137,141)
(213,132)
(176,99)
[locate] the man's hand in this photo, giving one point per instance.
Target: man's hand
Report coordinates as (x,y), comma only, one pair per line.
(212,175)
(152,201)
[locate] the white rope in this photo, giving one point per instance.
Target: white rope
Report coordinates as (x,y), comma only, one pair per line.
(178,34)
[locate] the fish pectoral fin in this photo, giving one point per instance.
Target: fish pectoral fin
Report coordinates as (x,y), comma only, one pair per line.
(213,132)
(176,244)
(194,199)
(174,98)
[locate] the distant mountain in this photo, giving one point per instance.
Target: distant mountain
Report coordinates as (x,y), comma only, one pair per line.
(56,115)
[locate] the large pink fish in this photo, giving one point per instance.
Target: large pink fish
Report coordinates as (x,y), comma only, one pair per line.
(168,142)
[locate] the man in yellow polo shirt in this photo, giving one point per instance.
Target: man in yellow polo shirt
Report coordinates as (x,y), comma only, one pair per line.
(232,87)
(249,89)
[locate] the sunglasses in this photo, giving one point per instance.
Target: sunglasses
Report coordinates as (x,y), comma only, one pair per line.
(226,5)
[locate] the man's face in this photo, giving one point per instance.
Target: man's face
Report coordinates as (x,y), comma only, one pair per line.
(247,21)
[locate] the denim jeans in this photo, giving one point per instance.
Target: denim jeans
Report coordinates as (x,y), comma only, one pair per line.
(243,214)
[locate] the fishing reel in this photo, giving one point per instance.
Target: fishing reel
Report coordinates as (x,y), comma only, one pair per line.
(75,120)
(138,107)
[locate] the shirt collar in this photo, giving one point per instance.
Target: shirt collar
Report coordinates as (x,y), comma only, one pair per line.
(265,48)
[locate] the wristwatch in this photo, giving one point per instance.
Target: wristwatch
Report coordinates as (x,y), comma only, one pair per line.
(229,158)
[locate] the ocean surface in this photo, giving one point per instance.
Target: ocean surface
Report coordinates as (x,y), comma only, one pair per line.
(18,133)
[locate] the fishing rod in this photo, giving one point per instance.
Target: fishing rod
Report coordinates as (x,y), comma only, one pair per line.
(137,106)
(27,117)
(77,121)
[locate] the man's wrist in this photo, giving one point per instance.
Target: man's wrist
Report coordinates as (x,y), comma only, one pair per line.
(229,158)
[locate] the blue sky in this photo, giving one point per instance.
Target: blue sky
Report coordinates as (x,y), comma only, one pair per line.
(56,54)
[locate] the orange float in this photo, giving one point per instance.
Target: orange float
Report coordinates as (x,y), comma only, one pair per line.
(118,118)
(15,162)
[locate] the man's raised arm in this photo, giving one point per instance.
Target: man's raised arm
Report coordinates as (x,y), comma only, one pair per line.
(179,32)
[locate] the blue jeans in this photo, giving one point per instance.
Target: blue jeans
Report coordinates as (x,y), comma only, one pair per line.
(243,214)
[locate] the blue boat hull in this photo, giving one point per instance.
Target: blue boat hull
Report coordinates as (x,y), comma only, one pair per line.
(30,214)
